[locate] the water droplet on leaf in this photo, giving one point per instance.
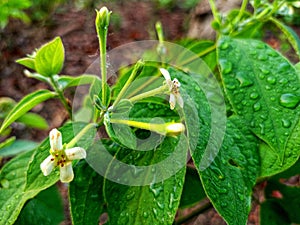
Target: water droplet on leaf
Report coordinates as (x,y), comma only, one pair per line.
(286,123)
(256,106)
(254,95)
(243,79)
(271,80)
(289,100)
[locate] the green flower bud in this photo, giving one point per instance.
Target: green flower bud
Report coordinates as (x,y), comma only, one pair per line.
(102,18)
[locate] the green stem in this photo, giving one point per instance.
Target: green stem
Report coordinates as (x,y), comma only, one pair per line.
(242,10)
(136,71)
(61,96)
(207,205)
(160,90)
(78,136)
(214,11)
(102,44)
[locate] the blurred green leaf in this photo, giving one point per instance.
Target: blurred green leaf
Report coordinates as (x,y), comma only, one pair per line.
(33,120)
(17,147)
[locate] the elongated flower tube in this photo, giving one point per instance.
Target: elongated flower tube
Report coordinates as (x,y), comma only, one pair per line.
(61,157)
(174,86)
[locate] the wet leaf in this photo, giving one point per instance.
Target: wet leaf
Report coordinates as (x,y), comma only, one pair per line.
(263,88)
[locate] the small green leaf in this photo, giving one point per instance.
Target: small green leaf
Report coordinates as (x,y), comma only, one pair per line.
(263,88)
(17,147)
(229,179)
(193,191)
(289,33)
(28,62)
(69,81)
(86,196)
(26,104)
(46,208)
(33,120)
(49,58)
(6,144)
(272,213)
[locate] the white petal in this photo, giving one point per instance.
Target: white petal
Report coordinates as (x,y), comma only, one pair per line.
(47,165)
(75,153)
(66,173)
(175,128)
(55,140)
(179,100)
(166,74)
(172,101)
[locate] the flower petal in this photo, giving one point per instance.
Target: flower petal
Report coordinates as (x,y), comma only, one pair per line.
(55,140)
(66,173)
(179,100)
(75,153)
(47,165)
(166,74)
(172,101)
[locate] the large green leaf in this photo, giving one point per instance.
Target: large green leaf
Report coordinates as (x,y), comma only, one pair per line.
(12,180)
(46,208)
(86,195)
(154,203)
(70,81)
(229,179)
(35,179)
(49,58)
(26,104)
(17,147)
(263,88)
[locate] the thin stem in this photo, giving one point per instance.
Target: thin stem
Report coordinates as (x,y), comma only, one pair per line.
(102,44)
(214,10)
(73,142)
(61,96)
(207,205)
(136,71)
(156,91)
(242,10)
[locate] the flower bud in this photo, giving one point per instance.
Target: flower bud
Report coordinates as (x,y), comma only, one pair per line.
(102,18)
(175,128)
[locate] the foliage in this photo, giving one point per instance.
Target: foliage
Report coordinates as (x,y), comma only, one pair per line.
(236,126)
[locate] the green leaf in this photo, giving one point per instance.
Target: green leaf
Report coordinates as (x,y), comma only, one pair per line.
(33,120)
(271,163)
(86,196)
(17,147)
(229,179)
(26,104)
(69,81)
(28,62)
(6,143)
(12,180)
(193,191)
(287,197)
(289,33)
(263,88)
(292,171)
(272,213)
(144,203)
(49,58)
(36,181)
(46,208)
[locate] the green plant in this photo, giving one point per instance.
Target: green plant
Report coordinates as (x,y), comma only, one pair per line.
(240,124)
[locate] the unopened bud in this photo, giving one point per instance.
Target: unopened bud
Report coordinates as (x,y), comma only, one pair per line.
(102,18)
(175,128)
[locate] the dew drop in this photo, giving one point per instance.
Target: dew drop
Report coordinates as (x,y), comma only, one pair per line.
(160,205)
(171,201)
(289,100)
(4,183)
(243,79)
(130,195)
(283,66)
(241,196)
(156,190)
(262,129)
(283,81)
(226,66)
(264,71)
(223,203)
(271,80)
(154,212)
(254,95)
(145,215)
(256,106)
(231,86)
(268,87)
(286,123)
(262,57)
(222,190)
(224,45)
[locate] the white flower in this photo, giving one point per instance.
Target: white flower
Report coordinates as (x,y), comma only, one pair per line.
(174,86)
(61,157)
